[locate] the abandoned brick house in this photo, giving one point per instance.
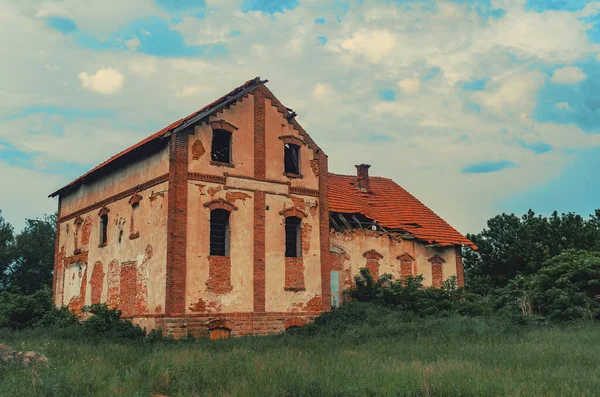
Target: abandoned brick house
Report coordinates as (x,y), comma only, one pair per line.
(228,222)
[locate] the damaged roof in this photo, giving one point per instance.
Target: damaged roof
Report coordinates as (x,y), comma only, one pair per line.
(392,207)
(198,115)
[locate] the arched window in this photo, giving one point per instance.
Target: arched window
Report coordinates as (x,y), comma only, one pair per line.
(291,158)
(293,239)
(221,146)
(103,229)
(219,232)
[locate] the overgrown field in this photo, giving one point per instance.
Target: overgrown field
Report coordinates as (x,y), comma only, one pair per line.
(358,351)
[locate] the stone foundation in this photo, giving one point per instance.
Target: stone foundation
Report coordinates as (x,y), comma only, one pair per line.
(237,324)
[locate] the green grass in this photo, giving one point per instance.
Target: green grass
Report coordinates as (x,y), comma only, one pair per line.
(359,351)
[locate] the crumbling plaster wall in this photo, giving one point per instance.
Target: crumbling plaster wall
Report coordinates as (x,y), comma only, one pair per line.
(199,299)
(146,255)
(277,126)
(126,177)
(241,115)
(355,243)
(277,298)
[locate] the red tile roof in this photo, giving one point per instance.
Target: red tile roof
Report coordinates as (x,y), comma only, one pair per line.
(392,207)
(211,107)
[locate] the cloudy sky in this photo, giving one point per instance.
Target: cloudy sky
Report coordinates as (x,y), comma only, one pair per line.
(476,107)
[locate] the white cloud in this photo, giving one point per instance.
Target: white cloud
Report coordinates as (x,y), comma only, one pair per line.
(374,44)
(563,105)
(105,81)
(322,91)
(192,90)
(133,43)
(514,94)
(143,67)
(410,85)
(568,75)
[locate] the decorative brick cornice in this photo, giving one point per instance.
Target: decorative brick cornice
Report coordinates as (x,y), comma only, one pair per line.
(294,140)
(135,199)
(304,192)
(223,125)
(293,211)
(436,260)
(220,323)
(196,176)
(405,257)
(372,254)
(220,203)
(103,211)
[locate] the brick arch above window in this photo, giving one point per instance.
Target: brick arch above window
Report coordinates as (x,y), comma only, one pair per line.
(294,140)
(405,257)
(372,254)
(223,125)
(103,211)
(135,199)
(78,221)
(220,203)
(436,260)
(293,211)
(220,323)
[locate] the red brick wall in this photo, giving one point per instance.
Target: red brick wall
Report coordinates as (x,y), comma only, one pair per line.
(460,271)
(405,269)
(437,275)
(259,251)
(259,135)
(113,281)
(219,274)
(128,281)
(97,282)
(177,224)
(294,274)
(324,232)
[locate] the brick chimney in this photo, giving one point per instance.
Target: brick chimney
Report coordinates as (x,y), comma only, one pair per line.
(362,177)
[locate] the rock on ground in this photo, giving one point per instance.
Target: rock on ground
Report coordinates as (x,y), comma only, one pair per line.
(9,355)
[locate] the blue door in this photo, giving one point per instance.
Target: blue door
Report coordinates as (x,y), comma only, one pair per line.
(335,289)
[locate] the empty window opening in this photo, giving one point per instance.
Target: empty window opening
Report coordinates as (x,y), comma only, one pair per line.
(291,158)
(219,232)
(103,229)
(293,241)
(221,146)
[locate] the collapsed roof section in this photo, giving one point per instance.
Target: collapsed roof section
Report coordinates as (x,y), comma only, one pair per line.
(390,207)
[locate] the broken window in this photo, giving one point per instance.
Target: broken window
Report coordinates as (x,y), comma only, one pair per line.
(291,158)
(103,229)
(219,232)
(293,240)
(221,146)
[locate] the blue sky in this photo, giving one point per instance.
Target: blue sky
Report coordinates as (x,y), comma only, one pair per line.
(495,103)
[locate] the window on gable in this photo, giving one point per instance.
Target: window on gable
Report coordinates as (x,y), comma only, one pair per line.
(103,229)
(293,240)
(219,232)
(291,158)
(221,146)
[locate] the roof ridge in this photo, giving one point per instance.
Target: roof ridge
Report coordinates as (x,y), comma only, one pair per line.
(161,133)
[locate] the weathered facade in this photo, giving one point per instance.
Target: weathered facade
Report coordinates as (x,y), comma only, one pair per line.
(228,222)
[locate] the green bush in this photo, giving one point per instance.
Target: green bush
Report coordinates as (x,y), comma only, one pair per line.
(567,287)
(108,323)
(19,311)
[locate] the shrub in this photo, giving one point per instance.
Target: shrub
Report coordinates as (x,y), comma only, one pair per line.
(567,287)
(408,295)
(22,311)
(107,322)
